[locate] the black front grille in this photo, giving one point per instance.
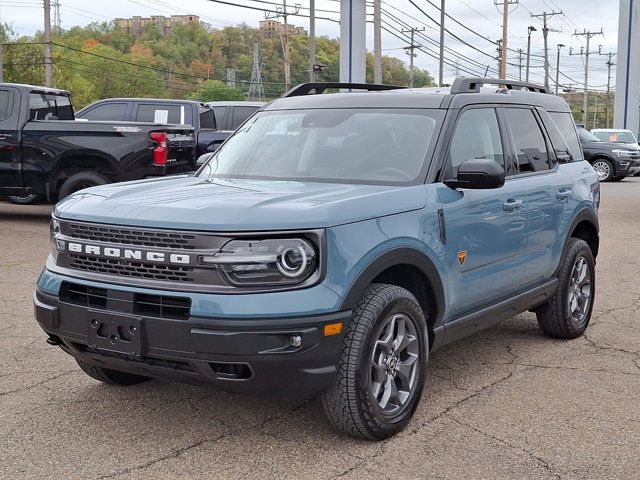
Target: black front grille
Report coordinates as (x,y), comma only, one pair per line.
(83,295)
(130,236)
(160,306)
(112,266)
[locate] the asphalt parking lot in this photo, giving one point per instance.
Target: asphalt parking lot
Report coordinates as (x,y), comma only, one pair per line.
(506,403)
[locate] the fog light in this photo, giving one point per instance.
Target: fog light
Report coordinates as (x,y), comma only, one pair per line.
(60,245)
(295,341)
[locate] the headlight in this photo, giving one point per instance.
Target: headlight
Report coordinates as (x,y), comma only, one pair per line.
(54,228)
(285,261)
(625,153)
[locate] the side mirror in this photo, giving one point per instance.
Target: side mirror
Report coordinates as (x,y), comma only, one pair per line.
(202,159)
(478,173)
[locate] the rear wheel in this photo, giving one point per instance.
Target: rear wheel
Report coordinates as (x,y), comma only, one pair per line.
(604,169)
(618,179)
(111,377)
(381,369)
(80,181)
(568,312)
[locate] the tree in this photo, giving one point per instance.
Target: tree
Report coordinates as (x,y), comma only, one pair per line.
(215,90)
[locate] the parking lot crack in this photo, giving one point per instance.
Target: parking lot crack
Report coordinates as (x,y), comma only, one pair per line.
(173,454)
(538,459)
(35,385)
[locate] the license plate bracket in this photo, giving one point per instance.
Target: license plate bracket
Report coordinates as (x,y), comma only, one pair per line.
(115,333)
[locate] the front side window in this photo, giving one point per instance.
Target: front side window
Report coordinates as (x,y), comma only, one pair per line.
(240,115)
(531,149)
(106,111)
(377,146)
(476,135)
(47,106)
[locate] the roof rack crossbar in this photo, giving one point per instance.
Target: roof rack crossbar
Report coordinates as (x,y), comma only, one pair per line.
(473,84)
(312,88)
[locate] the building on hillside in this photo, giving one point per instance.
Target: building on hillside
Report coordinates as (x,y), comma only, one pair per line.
(270,28)
(136,24)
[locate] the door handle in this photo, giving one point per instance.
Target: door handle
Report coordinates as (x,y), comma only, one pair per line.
(564,194)
(4,136)
(512,204)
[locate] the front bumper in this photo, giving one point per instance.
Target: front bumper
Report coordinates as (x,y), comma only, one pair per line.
(241,355)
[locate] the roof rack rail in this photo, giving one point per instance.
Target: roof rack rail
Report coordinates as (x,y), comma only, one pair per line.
(473,84)
(312,88)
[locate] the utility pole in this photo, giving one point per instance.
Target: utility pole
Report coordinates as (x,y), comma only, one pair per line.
(312,40)
(284,39)
(586,53)
(529,30)
(499,50)
(377,41)
(502,71)
(1,63)
(560,45)
(520,57)
(595,112)
(412,46)
(57,19)
(610,63)
(545,34)
(441,57)
(48,77)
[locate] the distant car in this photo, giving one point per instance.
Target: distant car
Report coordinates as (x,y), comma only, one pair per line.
(615,135)
(230,115)
(612,161)
(163,111)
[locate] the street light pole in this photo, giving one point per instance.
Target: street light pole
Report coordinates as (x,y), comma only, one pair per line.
(529,30)
(560,45)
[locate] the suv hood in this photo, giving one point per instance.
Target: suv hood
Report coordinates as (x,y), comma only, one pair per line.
(192,203)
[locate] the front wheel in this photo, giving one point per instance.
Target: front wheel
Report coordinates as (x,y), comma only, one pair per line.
(568,312)
(27,199)
(381,368)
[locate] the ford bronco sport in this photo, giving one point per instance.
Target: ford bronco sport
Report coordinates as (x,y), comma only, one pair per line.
(330,244)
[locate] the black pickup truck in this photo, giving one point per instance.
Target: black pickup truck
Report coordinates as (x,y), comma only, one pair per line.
(46,154)
(199,115)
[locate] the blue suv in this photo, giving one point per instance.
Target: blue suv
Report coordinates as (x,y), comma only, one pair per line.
(330,245)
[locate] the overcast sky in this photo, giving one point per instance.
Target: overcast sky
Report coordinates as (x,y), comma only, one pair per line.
(477,19)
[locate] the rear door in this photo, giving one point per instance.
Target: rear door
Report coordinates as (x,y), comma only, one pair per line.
(549,192)
(10,159)
(485,229)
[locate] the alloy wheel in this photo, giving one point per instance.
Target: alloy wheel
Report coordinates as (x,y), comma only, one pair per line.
(602,169)
(395,364)
(579,290)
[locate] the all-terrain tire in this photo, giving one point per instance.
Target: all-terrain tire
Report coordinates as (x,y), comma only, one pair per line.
(111,377)
(349,402)
(79,181)
(554,317)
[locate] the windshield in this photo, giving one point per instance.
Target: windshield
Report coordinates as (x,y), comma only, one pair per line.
(379,146)
(586,136)
(621,136)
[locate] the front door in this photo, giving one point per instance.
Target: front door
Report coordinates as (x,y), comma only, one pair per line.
(485,229)
(10,162)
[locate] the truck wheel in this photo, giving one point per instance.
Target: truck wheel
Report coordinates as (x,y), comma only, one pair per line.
(568,312)
(79,181)
(111,377)
(28,199)
(604,169)
(618,179)
(381,369)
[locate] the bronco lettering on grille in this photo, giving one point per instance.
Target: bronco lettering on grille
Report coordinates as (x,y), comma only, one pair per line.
(128,254)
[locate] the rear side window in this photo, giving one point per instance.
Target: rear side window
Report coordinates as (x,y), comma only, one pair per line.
(167,113)
(106,111)
(5,104)
(207,120)
(45,106)
(531,149)
(477,135)
(564,122)
(240,114)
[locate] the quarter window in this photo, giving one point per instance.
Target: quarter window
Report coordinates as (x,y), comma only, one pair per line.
(5,104)
(564,122)
(477,135)
(531,148)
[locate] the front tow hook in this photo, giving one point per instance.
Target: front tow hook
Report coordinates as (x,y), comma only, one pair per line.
(54,340)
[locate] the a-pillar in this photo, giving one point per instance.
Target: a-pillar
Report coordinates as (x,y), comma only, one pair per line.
(627,113)
(353,49)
